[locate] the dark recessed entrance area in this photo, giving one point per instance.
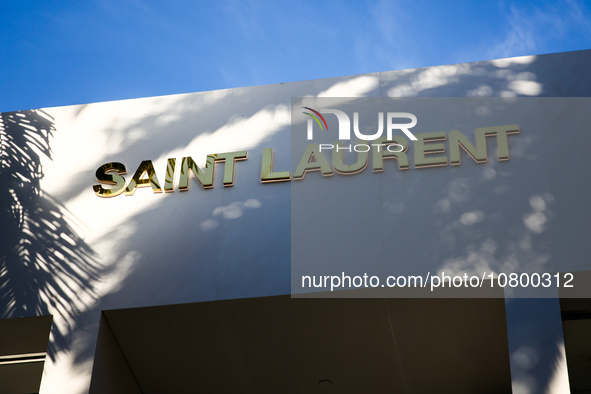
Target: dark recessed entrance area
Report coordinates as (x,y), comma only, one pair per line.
(23,347)
(284,345)
(576,326)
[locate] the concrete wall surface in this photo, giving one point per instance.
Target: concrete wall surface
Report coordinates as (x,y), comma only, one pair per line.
(68,253)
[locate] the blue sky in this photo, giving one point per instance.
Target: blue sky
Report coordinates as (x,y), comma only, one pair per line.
(56,53)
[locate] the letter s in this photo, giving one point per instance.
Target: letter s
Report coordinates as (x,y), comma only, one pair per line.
(110,174)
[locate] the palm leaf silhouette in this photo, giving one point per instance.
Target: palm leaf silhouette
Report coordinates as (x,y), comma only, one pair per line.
(45,265)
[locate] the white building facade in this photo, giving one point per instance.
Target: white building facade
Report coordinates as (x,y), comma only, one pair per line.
(178,275)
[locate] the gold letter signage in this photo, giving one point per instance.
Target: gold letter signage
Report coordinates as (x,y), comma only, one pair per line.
(429,151)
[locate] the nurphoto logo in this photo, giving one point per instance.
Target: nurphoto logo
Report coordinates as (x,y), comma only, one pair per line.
(345,127)
(345,124)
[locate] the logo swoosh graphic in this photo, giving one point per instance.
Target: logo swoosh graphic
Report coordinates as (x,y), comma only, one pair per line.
(317,113)
(315,118)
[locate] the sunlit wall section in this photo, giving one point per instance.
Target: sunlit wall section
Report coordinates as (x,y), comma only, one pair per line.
(193,221)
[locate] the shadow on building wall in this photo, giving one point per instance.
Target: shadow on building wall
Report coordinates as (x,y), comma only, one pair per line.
(45,265)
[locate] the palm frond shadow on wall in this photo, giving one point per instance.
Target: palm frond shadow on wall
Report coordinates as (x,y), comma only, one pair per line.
(45,265)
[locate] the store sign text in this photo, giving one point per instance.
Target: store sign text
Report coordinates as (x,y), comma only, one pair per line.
(428,152)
